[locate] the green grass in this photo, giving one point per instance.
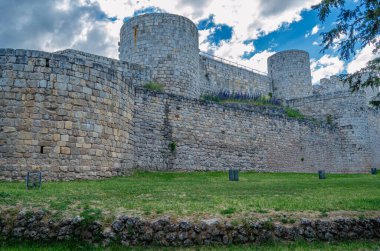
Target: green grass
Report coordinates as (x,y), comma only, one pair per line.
(298,246)
(153,86)
(198,194)
(294,113)
(264,101)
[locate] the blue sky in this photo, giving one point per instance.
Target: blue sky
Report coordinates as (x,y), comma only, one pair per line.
(246,32)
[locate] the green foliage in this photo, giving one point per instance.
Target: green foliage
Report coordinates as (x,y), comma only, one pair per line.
(294,113)
(268,225)
(90,215)
(362,217)
(355,27)
(329,119)
(153,86)
(263,211)
(229,210)
(159,211)
(284,220)
(262,101)
(28,214)
(324,213)
(4,195)
(173,146)
(210,97)
(364,78)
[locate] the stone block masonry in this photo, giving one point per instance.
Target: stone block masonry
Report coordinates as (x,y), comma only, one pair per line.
(209,136)
(290,73)
(354,121)
(169,45)
(68,117)
(215,76)
(75,115)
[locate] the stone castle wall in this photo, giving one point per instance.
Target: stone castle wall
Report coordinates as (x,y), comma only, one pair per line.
(69,117)
(72,117)
(349,113)
(169,45)
(209,136)
(76,115)
(290,73)
(142,73)
(374,135)
(215,76)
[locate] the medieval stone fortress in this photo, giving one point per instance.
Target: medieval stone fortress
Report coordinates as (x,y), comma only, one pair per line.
(75,115)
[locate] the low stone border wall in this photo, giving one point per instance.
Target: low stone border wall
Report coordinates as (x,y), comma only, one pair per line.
(132,231)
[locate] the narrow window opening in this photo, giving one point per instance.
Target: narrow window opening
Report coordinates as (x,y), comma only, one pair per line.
(47,62)
(41,149)
(135,35)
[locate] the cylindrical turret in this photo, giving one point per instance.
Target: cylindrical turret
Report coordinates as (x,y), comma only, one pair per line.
(290,73)
(169,45)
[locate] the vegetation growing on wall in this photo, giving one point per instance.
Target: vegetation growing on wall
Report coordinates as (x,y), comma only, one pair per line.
(294,113)
(329,119)
(173,146)
(235,97)
(153,86)
(255,99)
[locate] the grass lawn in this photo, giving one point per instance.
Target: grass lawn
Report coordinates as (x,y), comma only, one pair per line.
(200,194)
(297,246)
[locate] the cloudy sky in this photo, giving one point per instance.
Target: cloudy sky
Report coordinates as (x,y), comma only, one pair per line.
(245,31)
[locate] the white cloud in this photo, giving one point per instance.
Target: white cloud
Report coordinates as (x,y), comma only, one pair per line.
(63,27)
(337,41)
(259,60)
(361,59)
(247,24)
(55,25)
(313,31)
(324,67)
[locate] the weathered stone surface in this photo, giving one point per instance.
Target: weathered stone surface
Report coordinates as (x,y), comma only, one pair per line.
(290,73)
(172,51)
(82,116)
(131,231)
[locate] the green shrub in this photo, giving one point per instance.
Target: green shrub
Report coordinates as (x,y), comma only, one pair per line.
(329,119)
(173,146)
(262,211)
(153,86)
(268,225)
(324,213)
(212,98)
(229,210)
(90,215)
(294,113)
(4,195)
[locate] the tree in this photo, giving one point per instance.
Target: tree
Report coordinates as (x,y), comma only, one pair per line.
(354,29)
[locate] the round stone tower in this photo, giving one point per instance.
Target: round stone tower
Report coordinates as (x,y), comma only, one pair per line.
(169,45)
(290,73)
